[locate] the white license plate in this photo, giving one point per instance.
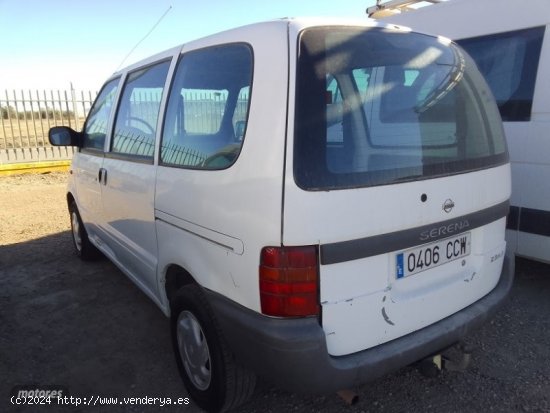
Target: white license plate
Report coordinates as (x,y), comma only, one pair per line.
(425,257)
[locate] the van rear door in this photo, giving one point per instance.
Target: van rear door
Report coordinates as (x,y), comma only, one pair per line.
(400,178)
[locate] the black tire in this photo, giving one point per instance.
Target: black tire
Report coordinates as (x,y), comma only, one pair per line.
(84,249)
(214,382)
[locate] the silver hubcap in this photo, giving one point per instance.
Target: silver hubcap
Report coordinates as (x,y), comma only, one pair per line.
(194,351)
(75,225)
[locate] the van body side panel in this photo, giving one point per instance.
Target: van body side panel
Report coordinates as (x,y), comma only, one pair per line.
(531,167)
(541,98)
(512,15)
(222,218)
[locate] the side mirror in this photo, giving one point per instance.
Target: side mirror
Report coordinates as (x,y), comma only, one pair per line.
(64,136)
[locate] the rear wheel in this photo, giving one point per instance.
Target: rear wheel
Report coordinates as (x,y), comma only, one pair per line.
(83,247)
(212,378)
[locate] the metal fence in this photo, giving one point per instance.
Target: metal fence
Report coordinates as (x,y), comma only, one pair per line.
(26,116)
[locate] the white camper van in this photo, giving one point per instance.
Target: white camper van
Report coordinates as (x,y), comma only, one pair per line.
(318,202)
(510,42)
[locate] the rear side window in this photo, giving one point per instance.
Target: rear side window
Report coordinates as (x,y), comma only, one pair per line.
(95,129)
(138,111)
(375,107)
(208,107)
(509,62)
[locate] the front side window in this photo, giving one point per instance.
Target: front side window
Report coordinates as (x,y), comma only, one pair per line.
(95,128)
(509,62)
(375,107)
(208,108)
(138,111)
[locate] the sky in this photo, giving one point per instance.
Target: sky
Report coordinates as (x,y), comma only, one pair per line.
(49,44)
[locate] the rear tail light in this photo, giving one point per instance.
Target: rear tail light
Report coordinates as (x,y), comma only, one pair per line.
(289,281)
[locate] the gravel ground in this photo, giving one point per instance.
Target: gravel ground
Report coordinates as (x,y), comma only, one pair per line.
(87,327)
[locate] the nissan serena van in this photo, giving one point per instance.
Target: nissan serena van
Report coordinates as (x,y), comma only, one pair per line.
(315,201)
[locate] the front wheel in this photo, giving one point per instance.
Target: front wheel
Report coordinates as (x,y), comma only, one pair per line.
(84,249)
(212,378)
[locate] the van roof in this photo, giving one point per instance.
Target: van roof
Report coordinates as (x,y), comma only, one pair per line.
(296,24)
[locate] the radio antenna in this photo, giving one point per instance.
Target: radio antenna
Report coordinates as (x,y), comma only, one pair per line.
(144,37)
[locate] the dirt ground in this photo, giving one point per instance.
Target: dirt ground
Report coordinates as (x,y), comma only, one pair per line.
(85,326)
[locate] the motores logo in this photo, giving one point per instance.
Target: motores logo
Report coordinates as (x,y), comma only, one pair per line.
(38,391)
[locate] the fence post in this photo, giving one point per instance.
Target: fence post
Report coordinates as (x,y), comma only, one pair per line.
(5,135)
(47,112)
(75,110)
(9,118)
(26,122)
(53,107)
(18,120)
(68,110)
(40,113)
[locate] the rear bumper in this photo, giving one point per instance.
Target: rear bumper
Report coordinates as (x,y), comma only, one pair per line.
(292,354)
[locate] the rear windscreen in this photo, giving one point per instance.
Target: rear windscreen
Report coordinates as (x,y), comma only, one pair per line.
(376,107)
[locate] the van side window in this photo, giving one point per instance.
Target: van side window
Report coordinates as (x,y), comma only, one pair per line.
(95,129)
(138,111)
(509,62)
(208,108)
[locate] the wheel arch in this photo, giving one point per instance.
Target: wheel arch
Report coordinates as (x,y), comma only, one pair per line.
(70,199)
(176,277)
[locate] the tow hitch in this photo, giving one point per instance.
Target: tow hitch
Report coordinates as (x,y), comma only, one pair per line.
(348,396)
(456,358)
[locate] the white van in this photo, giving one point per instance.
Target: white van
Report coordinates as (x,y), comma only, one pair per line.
(510,42)
(319,202)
